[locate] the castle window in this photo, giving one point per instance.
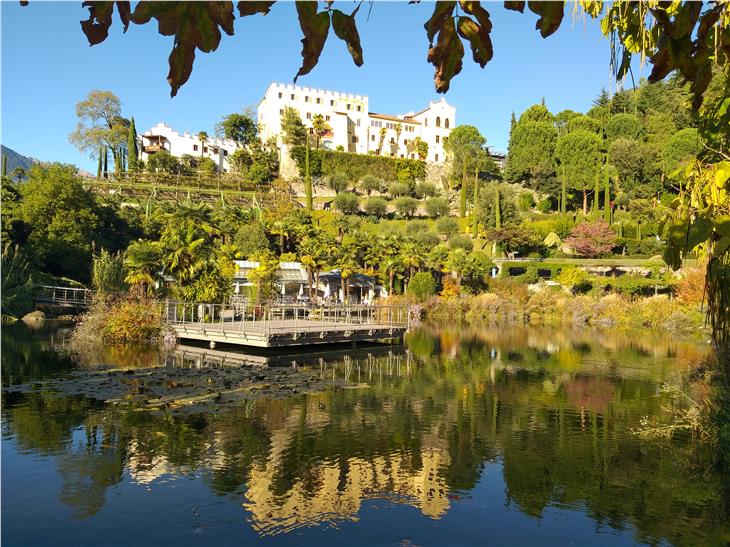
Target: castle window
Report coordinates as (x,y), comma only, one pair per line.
(357,123)
(327,117)
(215,150)
(446,123)
(205,149)
(281,111)
(359,108)
(332,102)
(349,106)
(281,95)
(392,140)
(405,141)
(401,155)
(436,157)
(225,153)
(425,123)
(437,139)
(293,97)
(309,115)
(306,98)
(372,138)
(354,139)
(318,100)
(438,121)
(195,148)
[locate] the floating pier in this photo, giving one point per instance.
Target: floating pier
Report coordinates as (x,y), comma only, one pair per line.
(283,325)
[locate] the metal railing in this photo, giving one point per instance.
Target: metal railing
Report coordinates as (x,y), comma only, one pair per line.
(246,318)
(71,296)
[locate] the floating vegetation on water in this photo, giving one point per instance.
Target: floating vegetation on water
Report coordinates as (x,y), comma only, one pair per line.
(182,389)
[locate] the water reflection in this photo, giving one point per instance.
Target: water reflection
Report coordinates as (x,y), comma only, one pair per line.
(549,411)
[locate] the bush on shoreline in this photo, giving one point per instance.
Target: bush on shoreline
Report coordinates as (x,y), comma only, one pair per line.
(551,307)
(120,320)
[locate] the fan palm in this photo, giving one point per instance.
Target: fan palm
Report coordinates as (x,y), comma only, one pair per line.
(142,261)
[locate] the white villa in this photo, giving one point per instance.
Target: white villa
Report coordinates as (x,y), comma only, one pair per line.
(163,137)
(354,127)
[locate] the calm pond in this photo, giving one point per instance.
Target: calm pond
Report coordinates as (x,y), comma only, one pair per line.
(505,437)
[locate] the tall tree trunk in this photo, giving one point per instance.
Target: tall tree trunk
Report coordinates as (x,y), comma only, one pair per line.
(391,275)
(474,220)
(462,204)
(606,194)
(106,162)
(497,211)
(563,196)
(585,201)
(100,165)
(307,177)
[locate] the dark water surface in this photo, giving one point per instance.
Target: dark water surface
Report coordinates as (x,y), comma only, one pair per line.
(508,437)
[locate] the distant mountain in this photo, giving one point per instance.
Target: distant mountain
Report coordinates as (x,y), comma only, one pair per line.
(16,160)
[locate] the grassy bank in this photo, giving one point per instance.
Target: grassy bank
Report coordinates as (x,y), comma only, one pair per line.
(554,307)
(120,320)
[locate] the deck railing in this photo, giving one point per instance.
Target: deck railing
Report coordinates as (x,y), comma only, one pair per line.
(284,318)
(69,296)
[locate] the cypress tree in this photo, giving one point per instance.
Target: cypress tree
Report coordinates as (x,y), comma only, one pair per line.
(98,166)
(132,151)
(497,211)
(562,196)
(606,194)
(474,219)
(596,193)
(307,176)
(5,165)
(462,204)
(512,123)
(105,154)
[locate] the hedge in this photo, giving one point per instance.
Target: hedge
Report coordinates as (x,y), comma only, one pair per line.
(323,163)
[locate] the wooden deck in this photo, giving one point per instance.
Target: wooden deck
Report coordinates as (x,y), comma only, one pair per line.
(286,325)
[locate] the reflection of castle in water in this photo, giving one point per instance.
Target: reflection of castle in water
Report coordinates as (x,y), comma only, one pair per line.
(334,490)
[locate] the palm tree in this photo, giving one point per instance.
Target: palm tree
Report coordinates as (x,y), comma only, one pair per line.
(321,128)
(142,261)
(398,130)
(183,253)
(383,132)
(412,257)
(347,264)
(203,138)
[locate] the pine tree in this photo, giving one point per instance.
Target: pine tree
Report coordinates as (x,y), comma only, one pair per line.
(603,98)
(132,151)
(474,218)
(512,123)
(99,165)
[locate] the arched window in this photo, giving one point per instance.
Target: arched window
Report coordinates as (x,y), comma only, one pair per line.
(446,123)
(438,121)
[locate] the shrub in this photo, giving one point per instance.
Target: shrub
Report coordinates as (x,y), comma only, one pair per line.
(592,239)
(376,206)
(347,202)
(406,206)
(323,163)
(422,286)
(447,226)
(415,227)
(427,239)
(461,242)
(250,240)
(437,207)
(399,189)
(337,182)
(577,280)
(426,189)
(530,277)
(371,184)
(526,201)
(690,288)
(545,205)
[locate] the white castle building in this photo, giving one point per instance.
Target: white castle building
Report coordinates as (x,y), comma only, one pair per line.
(163,137)
(354,127)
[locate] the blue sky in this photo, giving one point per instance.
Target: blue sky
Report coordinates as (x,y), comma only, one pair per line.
(48,66)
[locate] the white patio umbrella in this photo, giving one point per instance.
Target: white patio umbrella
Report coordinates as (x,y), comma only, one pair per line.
(301,290)
(237,289)
(326,293)
(283,289)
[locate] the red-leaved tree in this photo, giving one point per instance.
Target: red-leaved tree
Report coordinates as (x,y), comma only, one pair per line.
(591,239)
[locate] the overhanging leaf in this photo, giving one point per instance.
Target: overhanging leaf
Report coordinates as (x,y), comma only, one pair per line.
(442,11)
(315,27)
(698,232)
(446,56)
(96,27)
(346,30)
(251,7)
(551,15)
(194,25)
(515,5)
(481,43)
